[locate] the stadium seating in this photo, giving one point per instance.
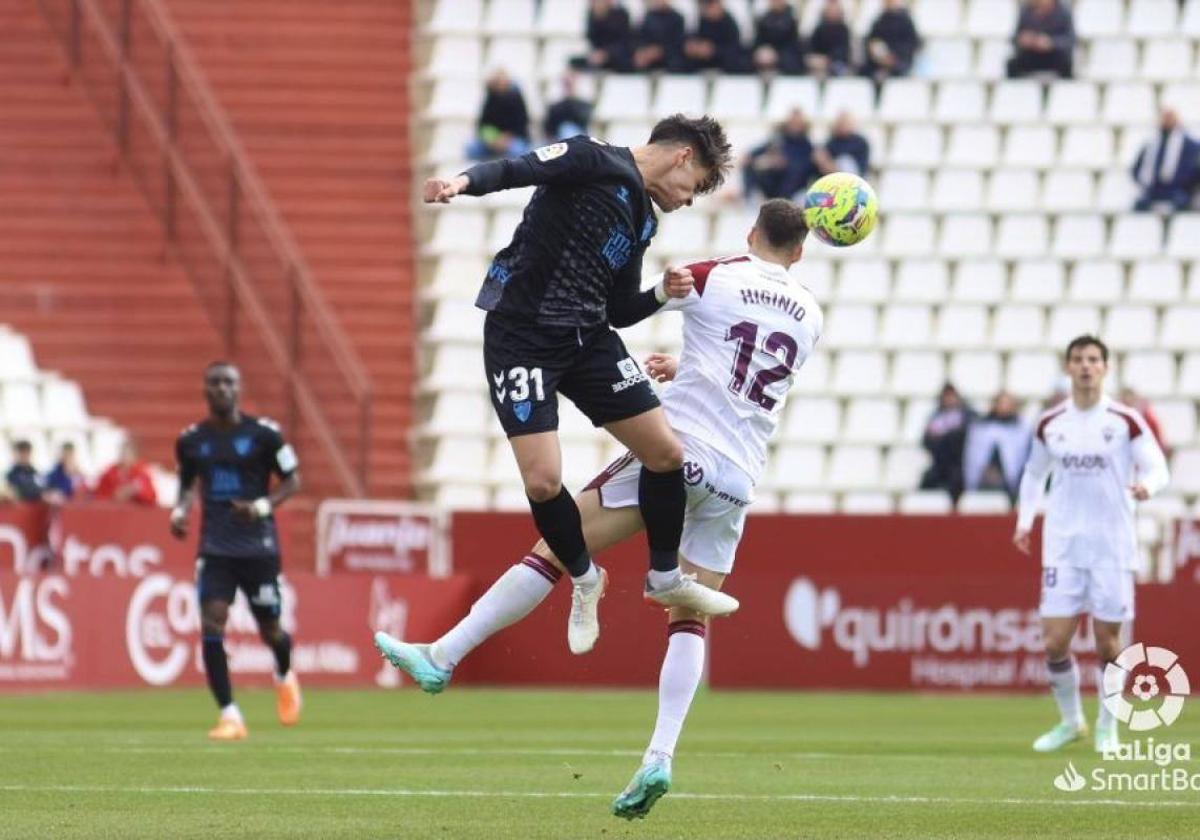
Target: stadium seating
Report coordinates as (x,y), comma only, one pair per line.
(1006,228)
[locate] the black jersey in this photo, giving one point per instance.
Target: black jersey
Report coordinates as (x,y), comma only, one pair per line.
(576,258)
(234,464)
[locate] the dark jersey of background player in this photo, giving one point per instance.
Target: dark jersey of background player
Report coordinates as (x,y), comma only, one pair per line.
(234,463)
(575,260)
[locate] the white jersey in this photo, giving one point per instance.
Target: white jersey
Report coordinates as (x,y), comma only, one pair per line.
(748,326)
(1094,456)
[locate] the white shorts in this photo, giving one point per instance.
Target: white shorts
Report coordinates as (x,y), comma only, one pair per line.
(718,493)
(1106,593)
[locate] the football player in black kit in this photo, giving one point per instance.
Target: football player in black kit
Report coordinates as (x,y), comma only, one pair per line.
(572,271)
(233,456)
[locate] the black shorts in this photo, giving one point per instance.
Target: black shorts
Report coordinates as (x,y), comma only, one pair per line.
(219,579)
(529,365)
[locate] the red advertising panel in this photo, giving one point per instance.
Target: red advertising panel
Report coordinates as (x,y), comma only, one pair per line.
(117,631)
(1187,550)
(354,535)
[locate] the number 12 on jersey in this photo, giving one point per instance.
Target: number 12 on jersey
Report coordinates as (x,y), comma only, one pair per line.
(745,333)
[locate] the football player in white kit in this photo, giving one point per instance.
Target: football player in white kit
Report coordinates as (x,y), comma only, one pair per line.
(748,327)
(1102,459)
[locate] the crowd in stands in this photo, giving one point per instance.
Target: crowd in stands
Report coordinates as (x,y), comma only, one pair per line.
(127,480)
(789,161)
(973,452)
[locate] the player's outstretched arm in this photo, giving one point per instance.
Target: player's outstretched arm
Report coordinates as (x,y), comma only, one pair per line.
(1152,472)
(438,191)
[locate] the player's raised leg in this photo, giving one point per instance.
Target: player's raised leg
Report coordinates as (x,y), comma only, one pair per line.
(216,592)
(662,500)
(1063,674)
(512,597)
(682,669)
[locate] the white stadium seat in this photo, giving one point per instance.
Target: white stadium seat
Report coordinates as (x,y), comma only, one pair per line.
(957,190)
(871,420)
(456,56)
(1112,59)
(1075,103)
(462,413)
(1189,376)
(1067,190)
(854,468)
(1180,95)
(675,94)
(456,321)
(907,325)
(458,229)
(1087,147)
(1116,193)
(1016,101)
(980,281)
(1071,320)
(977,373)
(788,92)
(455,99)
(1099,18)
(683,234)
(1185,471)
(1183,239)
(991,62)
(904,189)
(924,281)
(16,356)
(960,102)
(812,420)
(856,96)
(1150,374)
(457,16)
(962,325)
(908,236)
(903,467)
(1128,103)
(1189,23)
(509,16)
(869,281)
(1167,60)
(1098,281)
(926,503)
(456,367)
(1181,328)
(1030,146)
(974,146)
(1032,374)
(815,379)
(21,405)
(798,467)
(916,416)
(1152,18)
(1012,189)
(983,503)
(905,100)
(519,57)
(457,459)
(965,235)
(1136,235)
(866,503)
(850,325)
(934,18)
(915,372)
(504,223)
(1022,236)
(737,98)
(946,58)
(1078,236)
(916,145)
(1178,419)
(991,19)
(62,404)
(809,503)
(1038,281)
(1131,327)
(1017,326)
(1156,281)
(859,373)
(562,17)
(624,98)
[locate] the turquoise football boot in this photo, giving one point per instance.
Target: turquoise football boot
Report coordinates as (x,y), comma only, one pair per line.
(413,660)
(649,783)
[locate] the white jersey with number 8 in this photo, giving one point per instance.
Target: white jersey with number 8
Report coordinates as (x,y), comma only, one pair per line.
(748,327)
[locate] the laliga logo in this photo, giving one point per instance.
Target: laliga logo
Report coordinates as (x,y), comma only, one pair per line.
(1156,674)
(808,610)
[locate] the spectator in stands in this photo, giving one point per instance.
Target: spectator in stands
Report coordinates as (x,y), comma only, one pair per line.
(1135,400)
(845,151)
(660,39)
(610,36)
(66,480)
(892,42)
(997,448)
(503,126)
(22,481)
(783,165)
(568,116)
(1044,41)
(128,480)
(777,47)
(829,45)
(717,42)
(1167,168)
(944,436)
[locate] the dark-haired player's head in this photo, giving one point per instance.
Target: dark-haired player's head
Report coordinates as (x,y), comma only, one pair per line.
(689,156)
(22,452)
(1086,362)
(222,389)
(779,232)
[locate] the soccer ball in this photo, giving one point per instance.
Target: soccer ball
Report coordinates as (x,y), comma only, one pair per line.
(840,209)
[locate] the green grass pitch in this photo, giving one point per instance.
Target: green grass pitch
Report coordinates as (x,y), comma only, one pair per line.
(538,764)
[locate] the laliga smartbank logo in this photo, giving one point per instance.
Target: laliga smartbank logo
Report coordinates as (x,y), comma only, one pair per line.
(1145,688)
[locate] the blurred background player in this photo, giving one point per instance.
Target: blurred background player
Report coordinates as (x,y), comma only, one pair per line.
(573,267)
(233,455)
(1101,459)
(748,327)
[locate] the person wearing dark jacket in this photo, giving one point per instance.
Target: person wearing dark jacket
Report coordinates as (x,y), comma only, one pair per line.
(503,126)
(660,39)
(717,41)
(1167,168)
(610,38)
(845,151)
(568,116)
(22,482)
(783,165)
(1044,41)
(777,45)
(997,447)
(892,43)
(829,45)
(945,435)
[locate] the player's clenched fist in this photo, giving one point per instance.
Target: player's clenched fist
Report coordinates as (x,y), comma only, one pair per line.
(438,191)
(661,367)
(677,282)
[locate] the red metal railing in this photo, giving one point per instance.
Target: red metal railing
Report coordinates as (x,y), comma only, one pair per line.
(222,226)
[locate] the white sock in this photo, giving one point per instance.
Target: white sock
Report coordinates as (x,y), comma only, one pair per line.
(678,680)
(232,712)
(1064,685)
(514,594)
(589,578)
(663,580)
(1105,717)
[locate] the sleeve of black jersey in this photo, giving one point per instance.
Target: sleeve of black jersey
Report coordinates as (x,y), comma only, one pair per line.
(186,465)
(570,161)
(627,305)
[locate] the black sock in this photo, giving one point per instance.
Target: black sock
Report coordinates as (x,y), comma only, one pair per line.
(560,526)
(662,498)
(283,653)
(216,668)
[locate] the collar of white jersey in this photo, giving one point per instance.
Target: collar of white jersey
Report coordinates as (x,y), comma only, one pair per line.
(1100,407)
(773,266)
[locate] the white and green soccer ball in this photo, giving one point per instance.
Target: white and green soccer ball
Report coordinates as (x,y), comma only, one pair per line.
(840,208)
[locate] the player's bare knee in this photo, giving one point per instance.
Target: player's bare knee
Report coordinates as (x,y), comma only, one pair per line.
(213,615)
(1058,649)
(542,487)
(666,457)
